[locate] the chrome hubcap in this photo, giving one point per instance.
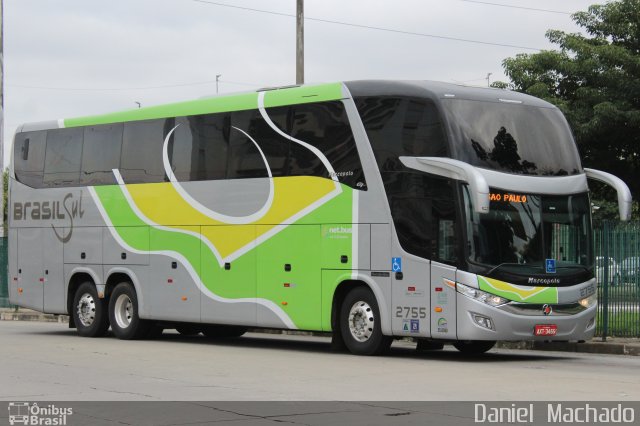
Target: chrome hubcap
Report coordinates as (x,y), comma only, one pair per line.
(361,321)
(123,311)
(86,309)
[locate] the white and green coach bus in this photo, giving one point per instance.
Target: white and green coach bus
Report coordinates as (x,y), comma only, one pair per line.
(369,209)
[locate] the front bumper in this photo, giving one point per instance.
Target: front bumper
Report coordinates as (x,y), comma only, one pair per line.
(509,326)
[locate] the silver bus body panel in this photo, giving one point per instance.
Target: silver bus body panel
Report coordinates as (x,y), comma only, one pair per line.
(167,290)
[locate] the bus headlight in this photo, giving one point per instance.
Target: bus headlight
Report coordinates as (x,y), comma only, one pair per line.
(590,301)
(481,296)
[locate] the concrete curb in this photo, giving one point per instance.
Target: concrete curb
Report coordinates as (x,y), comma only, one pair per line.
(11,315)
(612,346)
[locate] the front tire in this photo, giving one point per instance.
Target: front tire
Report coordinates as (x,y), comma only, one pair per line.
(123,314)
(89,312)
(360,323)
(474,347)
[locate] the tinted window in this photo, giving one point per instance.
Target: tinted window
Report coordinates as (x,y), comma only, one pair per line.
(200,147)
(63,156)
(245,159)
(398,126)
(101,154)
(274,146)
(512,138)
(28,157)
(423,212)
(422,205)
(326,127)
(141,159)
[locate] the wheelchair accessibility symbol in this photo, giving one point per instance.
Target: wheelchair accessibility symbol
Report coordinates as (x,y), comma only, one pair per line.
(396,264)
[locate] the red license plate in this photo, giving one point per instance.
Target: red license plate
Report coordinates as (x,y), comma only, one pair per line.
(545,330)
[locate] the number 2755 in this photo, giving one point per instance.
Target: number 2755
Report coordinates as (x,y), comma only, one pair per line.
(410,312)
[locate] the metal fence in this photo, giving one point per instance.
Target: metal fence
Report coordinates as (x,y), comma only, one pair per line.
(617,253)
(4,283)
(617,250)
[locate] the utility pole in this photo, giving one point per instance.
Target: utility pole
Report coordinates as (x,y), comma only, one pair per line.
(300,42)
(488,81)
(217,79)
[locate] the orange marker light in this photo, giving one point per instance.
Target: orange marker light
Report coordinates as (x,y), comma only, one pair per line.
(438,309)
(285,303)
(20,290)
(184,298)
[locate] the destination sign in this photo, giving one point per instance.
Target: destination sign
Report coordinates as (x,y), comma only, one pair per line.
(507,197)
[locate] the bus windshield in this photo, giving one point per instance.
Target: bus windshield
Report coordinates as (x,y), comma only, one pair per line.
(522,232)
(511,138)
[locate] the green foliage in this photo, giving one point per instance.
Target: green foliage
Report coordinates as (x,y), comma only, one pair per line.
(595,80)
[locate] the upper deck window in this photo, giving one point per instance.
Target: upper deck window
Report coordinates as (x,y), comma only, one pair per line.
(401,126)
(511,138)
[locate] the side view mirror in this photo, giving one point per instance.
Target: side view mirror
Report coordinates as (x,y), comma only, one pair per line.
(455,169)
(624,194)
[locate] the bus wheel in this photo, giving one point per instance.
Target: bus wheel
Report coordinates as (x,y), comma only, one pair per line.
(123,313)
(89,312)
(223,331)
(360,323)
(474,347)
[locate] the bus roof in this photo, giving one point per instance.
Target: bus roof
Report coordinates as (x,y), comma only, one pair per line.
(291,95)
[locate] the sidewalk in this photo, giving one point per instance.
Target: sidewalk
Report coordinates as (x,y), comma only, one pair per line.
(612,345)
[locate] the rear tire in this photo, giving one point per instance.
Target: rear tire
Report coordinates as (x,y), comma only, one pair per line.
(123,314)
(223,331)
(474,347)
(89,312)
(360,323)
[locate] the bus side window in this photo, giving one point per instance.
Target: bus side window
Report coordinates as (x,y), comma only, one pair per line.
(245,160)
(325,126)
(141,160)
(274,145)
(63,156)
(28,157)
(203,145)
(101,154)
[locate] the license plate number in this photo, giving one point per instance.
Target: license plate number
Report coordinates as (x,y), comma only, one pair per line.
(545,330)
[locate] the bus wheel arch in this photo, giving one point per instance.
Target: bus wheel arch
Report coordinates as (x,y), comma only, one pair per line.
(354,298)
(124,308)
(87,311)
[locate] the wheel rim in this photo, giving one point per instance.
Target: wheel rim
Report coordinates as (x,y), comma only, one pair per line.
(123,311)
(86,309)
(361,321)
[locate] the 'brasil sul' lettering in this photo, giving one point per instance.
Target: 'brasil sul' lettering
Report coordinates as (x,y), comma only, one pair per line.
(67,209)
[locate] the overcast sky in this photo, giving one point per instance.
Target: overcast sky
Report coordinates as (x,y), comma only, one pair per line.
(69,58)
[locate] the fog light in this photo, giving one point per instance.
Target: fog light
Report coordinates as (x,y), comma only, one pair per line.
(482,321)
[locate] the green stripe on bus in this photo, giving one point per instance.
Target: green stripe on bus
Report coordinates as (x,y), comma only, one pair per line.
(246,101)
(240,281)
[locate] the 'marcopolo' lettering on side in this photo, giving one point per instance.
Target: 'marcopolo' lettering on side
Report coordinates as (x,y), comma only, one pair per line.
(51,210)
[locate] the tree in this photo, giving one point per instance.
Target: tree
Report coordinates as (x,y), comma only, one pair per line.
(594,78)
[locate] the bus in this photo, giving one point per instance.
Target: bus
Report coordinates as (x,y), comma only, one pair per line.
(371,210)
